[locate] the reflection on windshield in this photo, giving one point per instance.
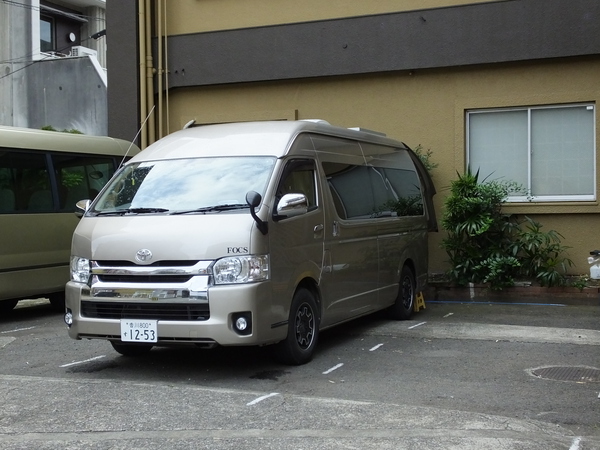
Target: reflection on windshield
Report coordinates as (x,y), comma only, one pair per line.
(185,184)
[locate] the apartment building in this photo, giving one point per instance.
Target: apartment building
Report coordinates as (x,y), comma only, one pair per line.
(508,87)
(53,65)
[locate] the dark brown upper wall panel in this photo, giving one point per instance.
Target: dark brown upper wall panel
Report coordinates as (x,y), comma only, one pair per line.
(122,64)
(483,33)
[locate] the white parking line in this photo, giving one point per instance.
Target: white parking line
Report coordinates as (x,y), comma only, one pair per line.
(375,348)
(575,444)
(18,329)
(448,315)
(260,399)
(333,368)
(84,361)
(417,325)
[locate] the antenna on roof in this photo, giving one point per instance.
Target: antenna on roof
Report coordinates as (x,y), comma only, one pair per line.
(136,136)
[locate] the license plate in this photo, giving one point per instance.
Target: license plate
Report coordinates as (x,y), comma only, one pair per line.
(134,330)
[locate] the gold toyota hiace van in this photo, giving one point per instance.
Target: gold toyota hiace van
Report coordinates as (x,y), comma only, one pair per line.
(251,234)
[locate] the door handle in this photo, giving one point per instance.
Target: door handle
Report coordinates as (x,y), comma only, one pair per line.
(318,228)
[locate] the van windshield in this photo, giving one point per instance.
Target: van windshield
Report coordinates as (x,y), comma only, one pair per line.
(184,186)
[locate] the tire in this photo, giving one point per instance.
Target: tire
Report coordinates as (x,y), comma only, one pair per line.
(131,349)
(8,305)
(303,331)
(405,301)
(57,300)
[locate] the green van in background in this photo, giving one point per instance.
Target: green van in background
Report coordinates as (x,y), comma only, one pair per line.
(43,174)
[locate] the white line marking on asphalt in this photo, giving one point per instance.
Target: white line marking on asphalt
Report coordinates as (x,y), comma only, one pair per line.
(333,368)
(18,329)
(575,444)
(448,315)
(417,325)
(83,362)
(375,348)
(260,399)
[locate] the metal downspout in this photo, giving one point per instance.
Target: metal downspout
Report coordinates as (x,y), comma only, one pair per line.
(151,124)
(166,65)
(142,70)
(159,25)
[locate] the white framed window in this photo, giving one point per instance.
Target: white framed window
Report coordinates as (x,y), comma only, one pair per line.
(47,33)
(549,150)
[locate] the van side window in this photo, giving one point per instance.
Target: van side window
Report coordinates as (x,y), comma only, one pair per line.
(406,189)
(350,187)
(361,191)
(299,178)
(80,177)
(26,180)
(399,175)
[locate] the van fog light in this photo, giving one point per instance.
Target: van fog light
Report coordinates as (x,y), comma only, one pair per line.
(69,318)
(242,323)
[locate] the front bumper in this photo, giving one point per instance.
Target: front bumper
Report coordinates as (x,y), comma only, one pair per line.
(223,304)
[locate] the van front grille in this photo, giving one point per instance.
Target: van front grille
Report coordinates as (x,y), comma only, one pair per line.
(154,311)
(144,278)
(175,263)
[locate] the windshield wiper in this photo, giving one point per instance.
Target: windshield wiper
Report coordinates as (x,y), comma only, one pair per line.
(122,212)
(215,208)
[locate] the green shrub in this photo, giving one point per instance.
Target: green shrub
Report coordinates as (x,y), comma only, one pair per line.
(425,157)
(486,246)
(541,254)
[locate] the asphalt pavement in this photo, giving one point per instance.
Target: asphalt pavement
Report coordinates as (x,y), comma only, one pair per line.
(455,356)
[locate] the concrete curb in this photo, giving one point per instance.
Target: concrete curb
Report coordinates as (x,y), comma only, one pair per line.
(589,296)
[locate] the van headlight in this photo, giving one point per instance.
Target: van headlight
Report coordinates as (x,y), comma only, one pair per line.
(80,269)
(241,269)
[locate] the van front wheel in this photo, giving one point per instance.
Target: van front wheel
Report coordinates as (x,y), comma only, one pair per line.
(403,308)
(131,349)
(303,330)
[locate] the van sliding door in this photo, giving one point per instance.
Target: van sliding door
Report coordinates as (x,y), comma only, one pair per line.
(350,283)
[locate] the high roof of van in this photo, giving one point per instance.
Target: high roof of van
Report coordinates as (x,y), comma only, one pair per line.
(271,138)
(34,139)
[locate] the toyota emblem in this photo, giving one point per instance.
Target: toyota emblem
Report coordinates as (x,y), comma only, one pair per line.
(144,255)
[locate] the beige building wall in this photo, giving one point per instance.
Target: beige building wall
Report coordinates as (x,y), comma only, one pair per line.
(196,16)
(424,108)
(228,60)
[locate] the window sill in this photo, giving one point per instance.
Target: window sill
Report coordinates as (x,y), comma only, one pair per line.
(552,207)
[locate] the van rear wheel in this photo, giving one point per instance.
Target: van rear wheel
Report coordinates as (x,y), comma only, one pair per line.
(8,305)
(303,330)
(131,349)
(405,301)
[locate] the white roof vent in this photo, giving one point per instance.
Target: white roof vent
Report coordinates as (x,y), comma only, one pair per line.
(315,121)
(366,130)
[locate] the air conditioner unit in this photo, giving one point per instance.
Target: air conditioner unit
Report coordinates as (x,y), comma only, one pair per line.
(80,50)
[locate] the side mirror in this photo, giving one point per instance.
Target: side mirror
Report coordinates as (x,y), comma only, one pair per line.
(292,205)
(253,199)
(83,206)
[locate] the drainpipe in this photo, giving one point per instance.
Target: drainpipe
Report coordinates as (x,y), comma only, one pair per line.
(151,124)
(166,72)
(142,70)
(159,25)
